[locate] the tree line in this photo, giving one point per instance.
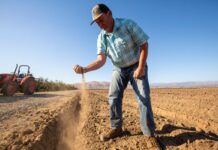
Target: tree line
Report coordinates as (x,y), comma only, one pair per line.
(46,85)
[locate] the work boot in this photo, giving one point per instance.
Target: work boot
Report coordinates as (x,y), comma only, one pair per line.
(152,143)
(111,134)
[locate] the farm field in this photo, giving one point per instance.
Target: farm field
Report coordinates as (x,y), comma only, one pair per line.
(185,119)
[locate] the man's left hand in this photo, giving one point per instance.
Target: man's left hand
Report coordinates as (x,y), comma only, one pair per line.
(138,73)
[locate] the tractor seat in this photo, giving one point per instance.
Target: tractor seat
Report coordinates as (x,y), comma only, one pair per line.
(21,75)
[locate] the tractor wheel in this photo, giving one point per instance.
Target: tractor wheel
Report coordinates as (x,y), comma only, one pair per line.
(29,86)
(9,88)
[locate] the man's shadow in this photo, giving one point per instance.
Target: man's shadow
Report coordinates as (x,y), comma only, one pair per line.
(189,136)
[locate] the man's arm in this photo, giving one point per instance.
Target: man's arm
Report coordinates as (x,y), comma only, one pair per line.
(139,72)
(98,63)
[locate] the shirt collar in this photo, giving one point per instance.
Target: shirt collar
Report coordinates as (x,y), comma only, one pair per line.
(114,29)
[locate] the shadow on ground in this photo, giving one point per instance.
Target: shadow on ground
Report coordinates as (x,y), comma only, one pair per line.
(186,137)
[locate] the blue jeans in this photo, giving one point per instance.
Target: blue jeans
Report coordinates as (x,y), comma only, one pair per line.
(120,79)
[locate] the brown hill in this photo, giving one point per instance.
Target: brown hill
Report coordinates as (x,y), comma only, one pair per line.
(94,85)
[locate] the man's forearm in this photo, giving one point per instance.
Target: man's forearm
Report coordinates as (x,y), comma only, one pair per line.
(98,63)
(143,55)
(94,66)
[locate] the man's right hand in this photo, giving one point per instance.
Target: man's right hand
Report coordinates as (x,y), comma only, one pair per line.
(78,69)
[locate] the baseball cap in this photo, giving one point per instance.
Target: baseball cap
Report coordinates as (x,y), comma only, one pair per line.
(98,10)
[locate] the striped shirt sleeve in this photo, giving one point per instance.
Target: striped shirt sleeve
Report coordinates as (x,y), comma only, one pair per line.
(101,45)
(137,33)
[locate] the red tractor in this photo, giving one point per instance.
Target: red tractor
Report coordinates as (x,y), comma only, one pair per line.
(10,83)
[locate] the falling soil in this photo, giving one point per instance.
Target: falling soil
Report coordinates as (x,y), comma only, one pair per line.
(68,126)
(84,93)
(72,120)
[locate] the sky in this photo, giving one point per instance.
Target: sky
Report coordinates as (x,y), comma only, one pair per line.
(53,35)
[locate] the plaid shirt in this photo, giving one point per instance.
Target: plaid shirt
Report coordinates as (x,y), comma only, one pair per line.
(122,45)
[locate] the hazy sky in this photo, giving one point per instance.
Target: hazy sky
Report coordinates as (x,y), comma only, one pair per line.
(53,35)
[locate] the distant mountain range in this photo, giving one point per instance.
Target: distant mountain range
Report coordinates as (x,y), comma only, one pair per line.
(105,85)
(94,85)
(185,84)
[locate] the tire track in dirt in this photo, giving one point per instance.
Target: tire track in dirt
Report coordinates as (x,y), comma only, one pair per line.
(199,124)
(194,107)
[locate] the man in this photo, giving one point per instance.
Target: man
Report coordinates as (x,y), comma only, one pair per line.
(125,43)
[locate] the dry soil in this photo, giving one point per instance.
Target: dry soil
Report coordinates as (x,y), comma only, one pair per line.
(185,119)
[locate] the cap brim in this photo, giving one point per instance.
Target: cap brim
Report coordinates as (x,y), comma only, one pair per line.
(92,22)
(95,18)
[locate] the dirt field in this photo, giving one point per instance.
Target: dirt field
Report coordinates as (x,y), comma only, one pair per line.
(185,119)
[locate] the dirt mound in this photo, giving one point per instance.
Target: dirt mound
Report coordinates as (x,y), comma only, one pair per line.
(60,132)
(52,127)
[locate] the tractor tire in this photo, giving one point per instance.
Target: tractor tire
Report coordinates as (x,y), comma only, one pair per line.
(29,86)
(9,88)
